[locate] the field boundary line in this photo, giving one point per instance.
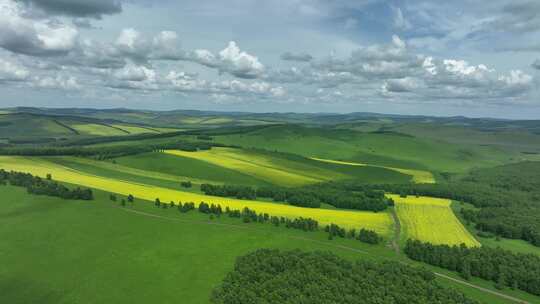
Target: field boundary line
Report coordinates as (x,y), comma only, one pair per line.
(397,231)
(240,227)
(502,295)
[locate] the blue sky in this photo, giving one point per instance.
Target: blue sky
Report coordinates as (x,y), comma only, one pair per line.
(463,57)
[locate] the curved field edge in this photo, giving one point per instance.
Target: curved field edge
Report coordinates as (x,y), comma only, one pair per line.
(70,161)
(260,166)
(418,176)
(174,165)
(431,220)
(380,222)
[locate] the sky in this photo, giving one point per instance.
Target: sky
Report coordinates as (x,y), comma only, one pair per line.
(463,57)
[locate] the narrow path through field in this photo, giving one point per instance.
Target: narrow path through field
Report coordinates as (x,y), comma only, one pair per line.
(502,295)
(239,227)
(486,290)
(397,230)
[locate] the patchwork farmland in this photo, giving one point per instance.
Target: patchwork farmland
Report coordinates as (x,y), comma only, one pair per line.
(367,202)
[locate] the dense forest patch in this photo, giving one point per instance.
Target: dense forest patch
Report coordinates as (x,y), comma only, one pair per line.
(273,276)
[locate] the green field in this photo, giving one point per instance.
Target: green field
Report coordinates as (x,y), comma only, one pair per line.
(73,249)
(384,149)
(96,129)
(418,176)
(29,126)
(140,254)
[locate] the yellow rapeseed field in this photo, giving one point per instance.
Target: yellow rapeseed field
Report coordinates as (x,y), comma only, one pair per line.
(380,222)
(418,176)
(261,166)
(431,220)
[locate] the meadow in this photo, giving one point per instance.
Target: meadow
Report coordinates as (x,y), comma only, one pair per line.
(96,129)
(418,176)
(96,252)
(142,254)
(380,222)
(374,148)
(431,220)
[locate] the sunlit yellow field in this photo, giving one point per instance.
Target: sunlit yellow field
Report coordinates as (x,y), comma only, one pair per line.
(96,129)
(280,172)
(380,222)
(135,171)
(431,220)
(418,176)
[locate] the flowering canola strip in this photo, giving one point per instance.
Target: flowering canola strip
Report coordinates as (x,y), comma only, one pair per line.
(431,220)
(380,222)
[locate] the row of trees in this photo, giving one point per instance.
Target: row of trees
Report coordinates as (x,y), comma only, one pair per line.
(363,235)
(105,152)
(39,186)
(248,216)
(291,277)
(515,270)
(310,197)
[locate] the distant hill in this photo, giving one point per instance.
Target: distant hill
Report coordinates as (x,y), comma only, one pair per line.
(46,124)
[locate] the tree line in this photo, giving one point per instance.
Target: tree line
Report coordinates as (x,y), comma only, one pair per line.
(39,186)
(363,235)
(505,268)
(251,216)
(309,196)
(291,277)
(105,152)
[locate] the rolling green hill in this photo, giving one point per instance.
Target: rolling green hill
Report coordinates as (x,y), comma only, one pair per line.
(38,128)
(378,148)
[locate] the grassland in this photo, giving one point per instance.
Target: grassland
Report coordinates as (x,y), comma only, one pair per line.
(96,129)
(418,176)
(517,140)
(431,220)
(56,251)
(30,126)
(61,251)
(383,149)
(380,222)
